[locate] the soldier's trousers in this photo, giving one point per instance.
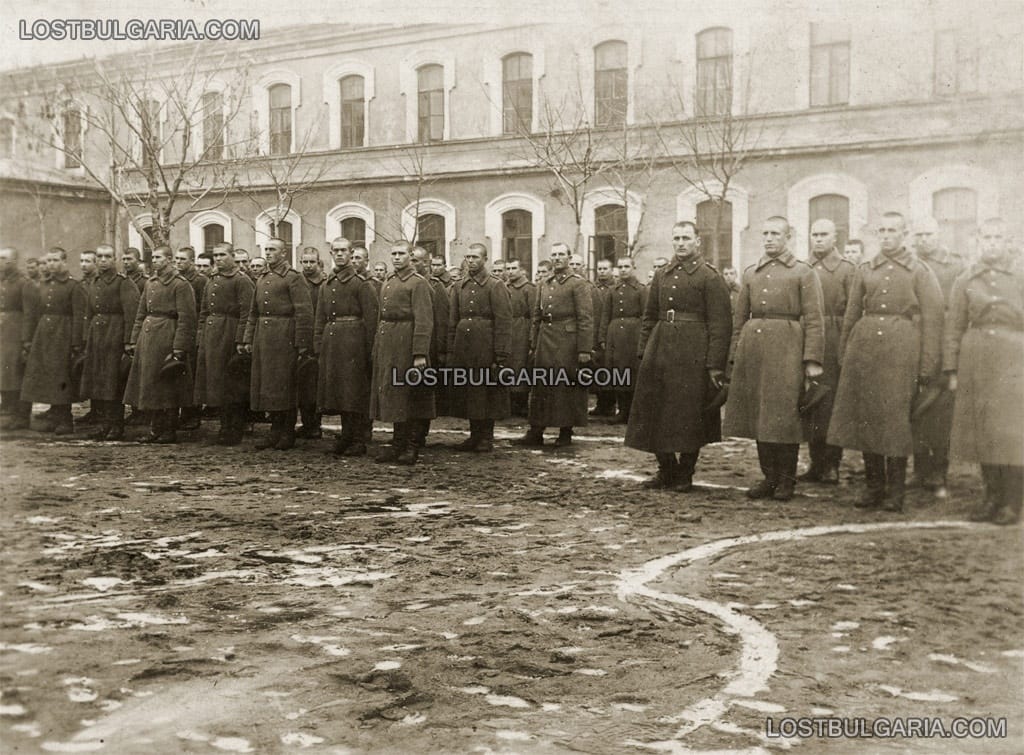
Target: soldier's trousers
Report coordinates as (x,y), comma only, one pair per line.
(824,456)
(11,405)
(886,474)
(311,418)
(481,428)
(108,412)
(418,431)
(684,466)
(1004,484)
(778,460)
(931,441)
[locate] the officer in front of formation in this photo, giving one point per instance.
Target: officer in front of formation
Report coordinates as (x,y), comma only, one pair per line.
(17,292)
(113,301)
(163,336)
(479,338)
(278,333)
(983,358)
(223,315)
(836,276)
(890,349)
(343,335)
(562,336)
(683,346)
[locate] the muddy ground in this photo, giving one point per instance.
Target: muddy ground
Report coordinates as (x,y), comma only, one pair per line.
(202,599)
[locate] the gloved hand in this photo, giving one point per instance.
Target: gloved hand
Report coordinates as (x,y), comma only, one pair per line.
(952,383)
(717,378)
(130,349)
(813,370)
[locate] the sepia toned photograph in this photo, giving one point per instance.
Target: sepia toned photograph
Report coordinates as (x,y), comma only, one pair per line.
(428,377)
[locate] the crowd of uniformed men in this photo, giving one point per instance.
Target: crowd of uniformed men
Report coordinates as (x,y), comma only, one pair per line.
(915,352)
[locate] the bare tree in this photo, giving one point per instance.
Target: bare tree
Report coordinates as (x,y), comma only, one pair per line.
(412,164)
(135,128)
(723,137)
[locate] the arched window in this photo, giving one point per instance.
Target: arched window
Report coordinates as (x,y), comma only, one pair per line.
(430,235)
(71,132)
(956,210)
(213,125)
(517,237)
(353,109)
(280,96)
(611,83)
(834,207)
(517,93)
(430,113)
(714,71)
(213,234)
(354,229)
(611,234)
(717,247)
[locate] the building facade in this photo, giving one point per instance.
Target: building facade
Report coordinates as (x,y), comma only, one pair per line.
(457,134)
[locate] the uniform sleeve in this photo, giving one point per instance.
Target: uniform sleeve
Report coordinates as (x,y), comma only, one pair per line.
(719,313)
(319,323)
(854,310)
(812,309)
(598,306)
(441,305)
(585,331)
(140,315)
(933,311)
(245,290)
(185,304)
(302,304)
(249,333)
(650,313)
(535,317)
(957,320)
(369,303)
(79,315)
(129,305)
(739,317)
(423,317)
(454,315)
(501,308)
(30,303)
(204,312)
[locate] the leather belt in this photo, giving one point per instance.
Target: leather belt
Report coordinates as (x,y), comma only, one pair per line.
(672,316)
(901,315)
(551,320)
(346,318)
(283,317)
(478,317)
(164,315)
(996,326)
(396,319)
(770,316)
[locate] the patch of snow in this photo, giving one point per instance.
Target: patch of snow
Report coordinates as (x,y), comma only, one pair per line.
(232,744)
(300,739)
(935,696)
(413,718)
(845,626)
(474,690)
(474,621)
(26,647)
(12,710)
(507,700)
(760,705)
(883,643)
(591,672)
(104,583)
(387,665)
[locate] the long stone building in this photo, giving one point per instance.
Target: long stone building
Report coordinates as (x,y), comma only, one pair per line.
(523,135)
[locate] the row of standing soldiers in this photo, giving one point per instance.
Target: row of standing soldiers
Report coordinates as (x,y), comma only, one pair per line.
(868,339)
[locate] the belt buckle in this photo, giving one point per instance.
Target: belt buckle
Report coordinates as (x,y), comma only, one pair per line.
(671,315)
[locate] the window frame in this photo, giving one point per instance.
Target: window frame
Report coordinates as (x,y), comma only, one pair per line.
(837,72)
(522,121)
(433,98)
(611,109)
(716,68)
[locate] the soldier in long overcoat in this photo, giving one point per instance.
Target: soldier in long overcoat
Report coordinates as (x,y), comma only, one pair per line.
(17,292)
(185,261)
(133,268)
(279,331)
(601,289)
(309,415)
(346,323)
(931,427)
(59,312)
(890,346)
(480,338)
(438,356)
(562,335)
(684,345)
(983,357)
(836,277)
(623,318)
(522,293)
(223,314)
(361,263)
(778,342)
(164,331)
(113,302)
(402,343)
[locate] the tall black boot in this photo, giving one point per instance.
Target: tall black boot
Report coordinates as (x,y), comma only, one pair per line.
(534,437)
(287,439)
(895,482)
(64,423)
(473,441)
(684,477)
(115,414)
(101,413)
(874,478)
(830,471)
(311,420)
(1011,494)
(785,457)
(766,458)
(816,451)
(16,413)
(993,494)
(415,440)
(357,425)
(564,437)
(156,427)
(399,440)
(276,430)
(668,471)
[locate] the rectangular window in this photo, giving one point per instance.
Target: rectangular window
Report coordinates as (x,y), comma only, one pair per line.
(213,126)
(956,63)
(830,65)
(431,103)
(280,119)
(517,93)
(353,110)
(714,72)
(72,131)
(611,83)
